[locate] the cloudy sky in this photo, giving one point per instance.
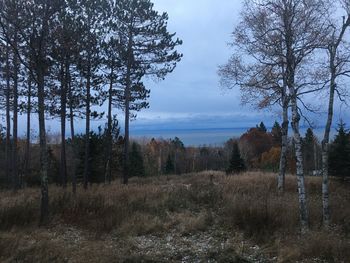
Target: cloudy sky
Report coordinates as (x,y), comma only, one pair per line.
(190,97)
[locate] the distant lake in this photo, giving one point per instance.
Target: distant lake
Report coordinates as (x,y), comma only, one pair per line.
(197,137)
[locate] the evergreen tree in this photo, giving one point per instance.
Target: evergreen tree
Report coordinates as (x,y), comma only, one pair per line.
(147,49)
(91,15)
(261,127)
(309,151)
(236,164)
(339,154)
(136,166)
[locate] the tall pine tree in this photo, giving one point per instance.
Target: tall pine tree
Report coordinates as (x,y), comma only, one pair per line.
(147,49)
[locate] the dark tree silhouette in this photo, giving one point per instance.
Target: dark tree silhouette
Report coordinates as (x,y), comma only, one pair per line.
(339,155)
(147,48)
(236,164)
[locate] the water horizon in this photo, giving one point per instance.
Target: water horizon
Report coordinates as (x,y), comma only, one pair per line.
(206,136)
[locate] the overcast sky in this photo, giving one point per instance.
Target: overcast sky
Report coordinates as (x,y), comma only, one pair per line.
(190,97)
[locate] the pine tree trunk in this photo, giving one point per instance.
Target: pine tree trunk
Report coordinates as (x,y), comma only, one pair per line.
(304,215)
(8,119)
(127,110)
(63,163)
(71,112)
(43,149)
(126,135)
(15,120)
(109,132)
(87,131)
(72,135)
(29,109)
(284,146)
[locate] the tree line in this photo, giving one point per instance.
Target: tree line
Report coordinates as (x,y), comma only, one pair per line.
(257,149)
(65,59)
(287,51)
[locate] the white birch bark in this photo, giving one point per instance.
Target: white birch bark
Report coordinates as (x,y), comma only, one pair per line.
(284,147)
(304,215)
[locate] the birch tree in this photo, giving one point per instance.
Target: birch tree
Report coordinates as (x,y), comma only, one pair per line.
(280,38)
(262,80)
(338,50)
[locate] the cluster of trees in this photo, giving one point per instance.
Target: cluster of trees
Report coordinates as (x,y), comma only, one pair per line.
(62,58)
(153,157)
(285,51)
(160,156)
(260,149)
(256,149)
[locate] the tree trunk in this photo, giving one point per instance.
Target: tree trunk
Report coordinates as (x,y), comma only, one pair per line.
(71,111)
(127,110)
(43,148)
(290,83)
(126,136)
(15,120)
(29,109)
(333,52)
(109,132)
(72,135)
(304,217)
(8,119)
(63,163)
(284,146)
(87,131)
(325,150)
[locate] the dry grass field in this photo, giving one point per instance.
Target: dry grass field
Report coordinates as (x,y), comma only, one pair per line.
(205,217)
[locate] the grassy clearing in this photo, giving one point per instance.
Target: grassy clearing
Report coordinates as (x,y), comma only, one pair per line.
(177,218)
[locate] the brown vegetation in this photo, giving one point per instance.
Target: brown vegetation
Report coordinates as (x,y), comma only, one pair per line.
(175,218)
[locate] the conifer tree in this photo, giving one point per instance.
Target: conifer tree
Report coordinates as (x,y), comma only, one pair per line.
(147,49)
(236,164)
(309,151)
(339,155)
(91,15)
(262,127)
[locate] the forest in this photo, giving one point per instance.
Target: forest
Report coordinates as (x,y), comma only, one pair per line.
(86,60)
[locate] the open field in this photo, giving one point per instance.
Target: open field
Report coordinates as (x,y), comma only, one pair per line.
(188,218)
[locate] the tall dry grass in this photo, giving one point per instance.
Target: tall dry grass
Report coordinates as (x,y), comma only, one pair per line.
(248,203)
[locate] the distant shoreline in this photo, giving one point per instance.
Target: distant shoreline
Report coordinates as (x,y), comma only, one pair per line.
(204,136)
